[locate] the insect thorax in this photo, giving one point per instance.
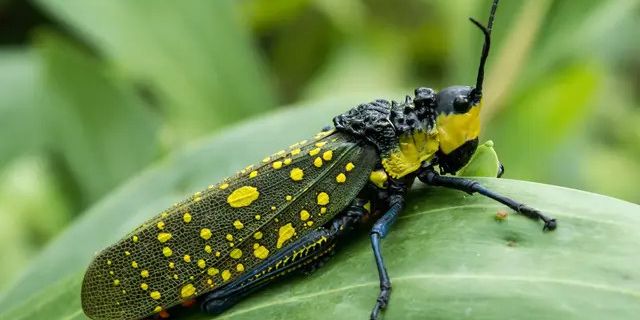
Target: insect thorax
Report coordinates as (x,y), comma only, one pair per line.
(404,134)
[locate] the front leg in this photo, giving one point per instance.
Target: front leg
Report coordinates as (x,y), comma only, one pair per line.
(430,177)
(397,190)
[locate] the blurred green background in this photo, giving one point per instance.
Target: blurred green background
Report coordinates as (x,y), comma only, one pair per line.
(92,92)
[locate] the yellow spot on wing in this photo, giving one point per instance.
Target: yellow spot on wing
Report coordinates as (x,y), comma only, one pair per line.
(261,252)
(267,159)
(166,251)
(212,271)
(144,286)
(134,264)
(323,210)
(224,186)
(295,151)
(320,144)
(243,196)
(186,258)
(187,291)
(229,237)
(287,161)
(164,237)
(341,178)
(238,225)
(155,295)
(257,235)
(205,234)
(317,162)
(327,155)
(235,253)
(257,217)
(186,217)
(240,267)
(202,264)
(288,198)
(285,233)
(160,225)
(304,215)
(296,174)
(116,282)
(208,249)
(277,165)
(134,238)
(314,151)
(349,166)
(323,198)
(172,265)
(144,273)
(226,274)
(157,309)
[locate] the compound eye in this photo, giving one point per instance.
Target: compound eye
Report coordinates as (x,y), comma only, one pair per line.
(461,104)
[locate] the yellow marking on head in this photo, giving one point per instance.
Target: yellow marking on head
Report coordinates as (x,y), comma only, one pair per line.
(413,149)
(320,144)
(285,233)
(323,198)
(155,295)
(295,151)
(367,206)
(224,186)
(186,217)
(205,234)
(317,162)
(253,174)
(314,151)
(144,273)
(238,225)
(261,252)
(267,159)
(144,286)
(379,178)
(172,265)
(157,309)
(349,166)
(226,274)
(235,253)
(287,161)
(327,155)
(257,235)
(166,251)
(134,264)
(135,238)
(277,165)
(127,253)
(164,237)
(116,282)
(240,267)
(323,210)
(202,264)
(309,223)
(186,258)
(212,271)
(456,129)
(160,225)
(288,198)
(257,217)
(341,178)
(229,237)
(208,249)
(187,291)
(296,174)
(304,215)
(242,196)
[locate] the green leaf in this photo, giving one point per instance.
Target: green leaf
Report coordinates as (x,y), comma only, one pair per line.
(447,255)
(483,163)
(194,55)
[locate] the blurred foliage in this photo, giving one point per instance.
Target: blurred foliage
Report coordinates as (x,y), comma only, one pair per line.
(91,92)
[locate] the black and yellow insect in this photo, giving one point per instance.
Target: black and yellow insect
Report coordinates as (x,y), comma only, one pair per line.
(289,211)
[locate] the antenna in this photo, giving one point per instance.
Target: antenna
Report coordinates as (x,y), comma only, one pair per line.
(477,91)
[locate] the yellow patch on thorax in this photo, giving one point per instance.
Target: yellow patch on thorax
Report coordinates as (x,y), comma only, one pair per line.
(456,129)
(379,178)
(413,148)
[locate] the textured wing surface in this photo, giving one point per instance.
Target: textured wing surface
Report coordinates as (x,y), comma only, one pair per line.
(217,234)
